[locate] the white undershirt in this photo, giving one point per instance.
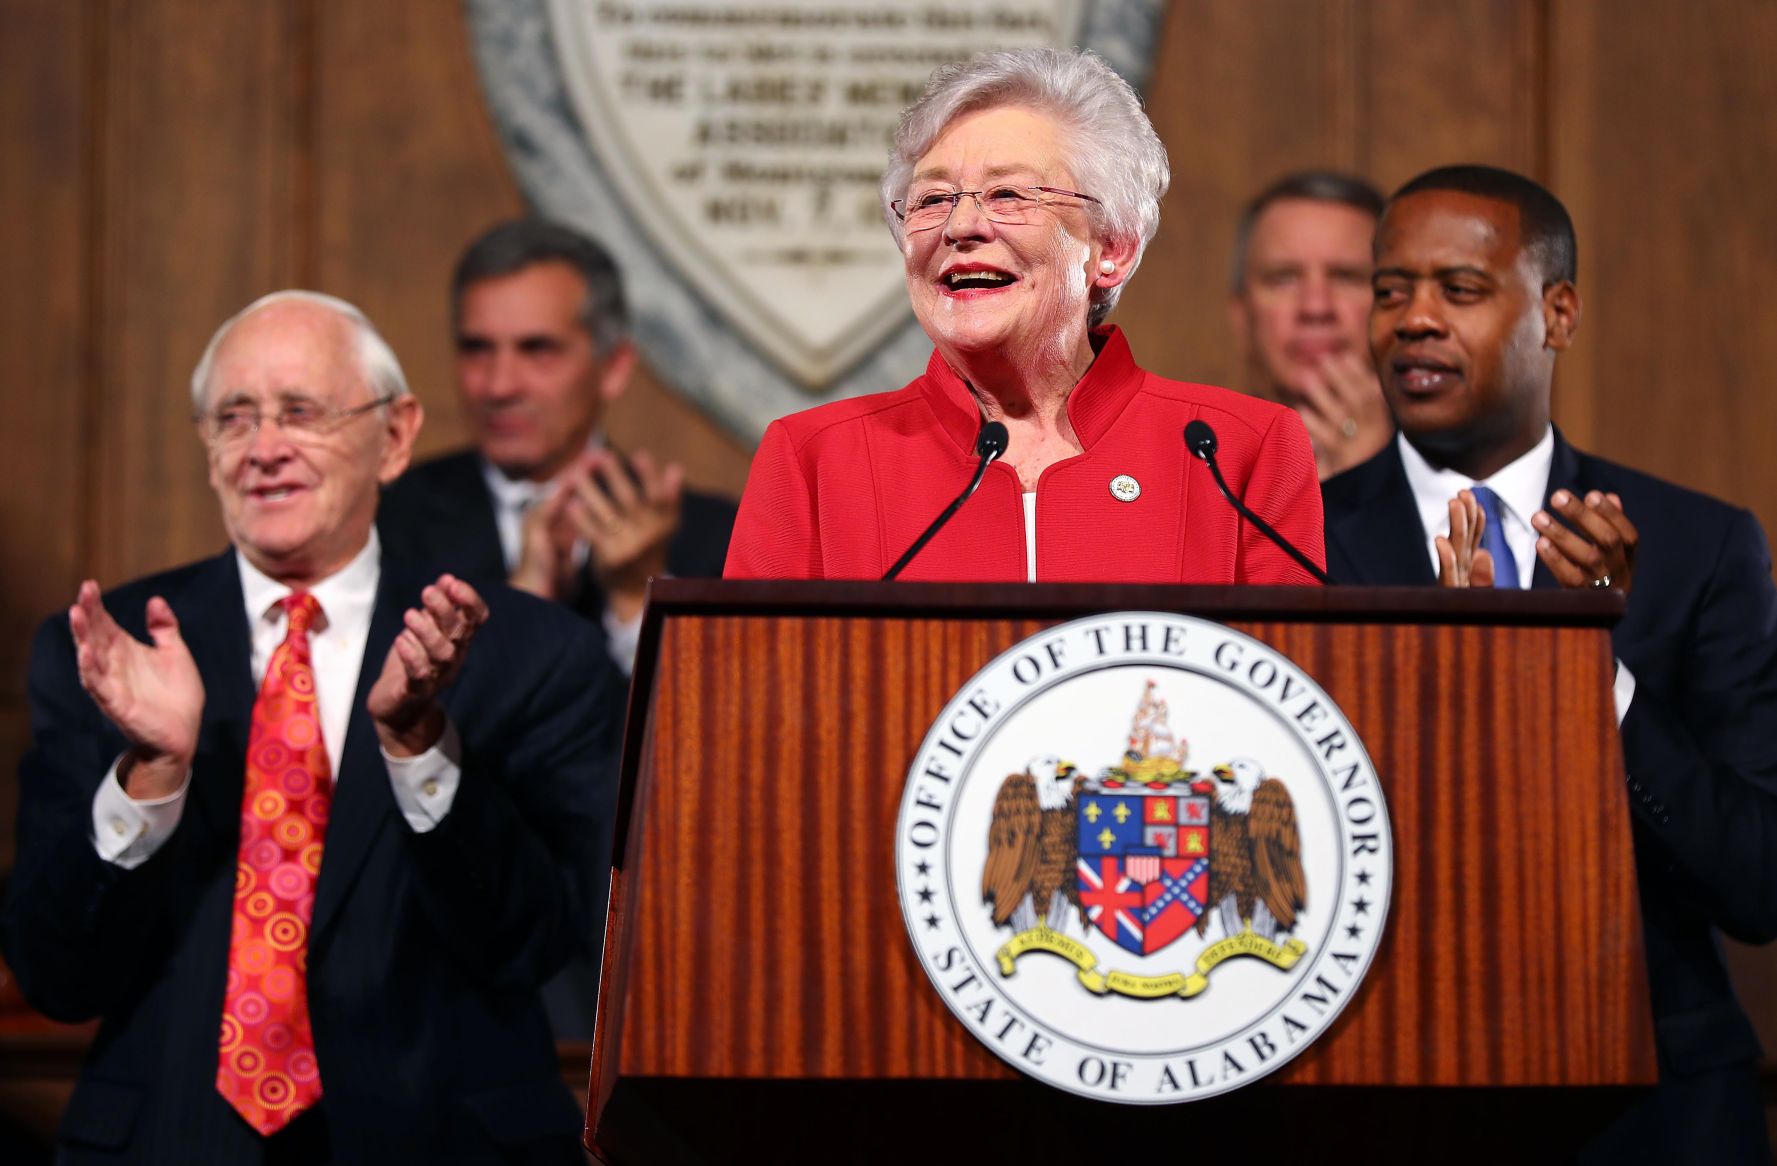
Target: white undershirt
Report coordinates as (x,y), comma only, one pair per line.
(1030,536)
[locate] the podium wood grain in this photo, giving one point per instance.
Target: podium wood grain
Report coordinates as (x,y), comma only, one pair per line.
(758,948)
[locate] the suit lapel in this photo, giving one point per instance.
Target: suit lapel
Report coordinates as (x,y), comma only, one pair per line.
(466,508)
(363,804)
(1377,533)
(1564,474)
(213,622)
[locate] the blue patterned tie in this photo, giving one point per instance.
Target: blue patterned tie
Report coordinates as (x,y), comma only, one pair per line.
(1493,540)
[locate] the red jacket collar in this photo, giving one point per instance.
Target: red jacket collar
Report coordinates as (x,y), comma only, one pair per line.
(1092,407)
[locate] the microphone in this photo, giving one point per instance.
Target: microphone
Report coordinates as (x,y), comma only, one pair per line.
(1200,439)
(990,444)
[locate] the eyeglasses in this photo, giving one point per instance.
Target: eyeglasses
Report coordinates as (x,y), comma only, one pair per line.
(1011,205)
(301,419)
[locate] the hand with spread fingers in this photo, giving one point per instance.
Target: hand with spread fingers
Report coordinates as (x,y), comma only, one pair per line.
(628,514)
(1595,544)
(151,692)
(1343,408)
(425,657)
(1462,561)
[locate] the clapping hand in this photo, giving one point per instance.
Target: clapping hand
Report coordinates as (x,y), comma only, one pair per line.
(152,692)
(1344,411)
(1462,562)
(1596,548)
(425,657)
(627,514)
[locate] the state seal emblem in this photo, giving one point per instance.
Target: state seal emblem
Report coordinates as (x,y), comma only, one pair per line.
(1144,858)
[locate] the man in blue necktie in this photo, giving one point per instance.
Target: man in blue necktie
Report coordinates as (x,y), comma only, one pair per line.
(1475,299)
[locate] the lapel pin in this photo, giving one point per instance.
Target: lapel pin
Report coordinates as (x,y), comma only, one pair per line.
(1125,488)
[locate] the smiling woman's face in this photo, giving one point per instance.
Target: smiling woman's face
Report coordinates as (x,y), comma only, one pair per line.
(979,286)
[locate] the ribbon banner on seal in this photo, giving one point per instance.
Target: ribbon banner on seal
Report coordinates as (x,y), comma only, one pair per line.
(1181,984)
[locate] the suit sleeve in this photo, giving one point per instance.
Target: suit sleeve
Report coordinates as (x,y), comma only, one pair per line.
(507,876)
(80,933)
(1700,742)
(1284,490)
(775,534)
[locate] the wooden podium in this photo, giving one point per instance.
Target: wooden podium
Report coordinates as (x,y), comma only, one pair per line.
(760,999)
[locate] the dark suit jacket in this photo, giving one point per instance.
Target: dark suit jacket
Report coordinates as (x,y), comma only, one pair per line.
(427,950)
(440,512)
(1699,743)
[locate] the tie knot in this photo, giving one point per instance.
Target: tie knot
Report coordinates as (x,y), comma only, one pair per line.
(1489,503)
(301,608)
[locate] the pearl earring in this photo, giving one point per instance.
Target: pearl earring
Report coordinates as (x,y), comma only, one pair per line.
(1107,267)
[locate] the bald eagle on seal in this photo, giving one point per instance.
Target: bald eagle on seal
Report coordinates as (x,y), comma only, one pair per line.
(1255,872)
(1033,846)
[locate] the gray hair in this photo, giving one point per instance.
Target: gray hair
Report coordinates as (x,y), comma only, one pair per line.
(1116,153)
(382,372)
(1328,186)
(509,247)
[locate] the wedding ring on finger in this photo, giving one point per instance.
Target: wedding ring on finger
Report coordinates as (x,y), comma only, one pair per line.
(1601,581)
(1349,428)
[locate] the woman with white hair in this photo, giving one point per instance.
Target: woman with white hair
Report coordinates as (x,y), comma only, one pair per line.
(1022,189)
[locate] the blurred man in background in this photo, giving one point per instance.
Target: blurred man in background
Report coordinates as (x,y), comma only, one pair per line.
(543,500)
(1300,306)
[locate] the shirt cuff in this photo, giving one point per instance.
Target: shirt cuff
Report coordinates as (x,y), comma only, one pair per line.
(426,784)
(622,638)
(1622,690)
(127,831)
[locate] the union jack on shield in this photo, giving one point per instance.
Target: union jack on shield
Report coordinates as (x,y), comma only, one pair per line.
(1143,870)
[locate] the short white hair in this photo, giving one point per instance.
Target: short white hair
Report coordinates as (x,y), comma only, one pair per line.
(1115,153)
(382,371)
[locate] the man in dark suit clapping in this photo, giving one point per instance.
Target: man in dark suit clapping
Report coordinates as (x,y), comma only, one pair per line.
(304,826)
(1474,300)
(543,500)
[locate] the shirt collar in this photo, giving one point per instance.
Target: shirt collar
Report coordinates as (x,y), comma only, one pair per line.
(518,494)
(346,596)
(1095,403)
(1521,484)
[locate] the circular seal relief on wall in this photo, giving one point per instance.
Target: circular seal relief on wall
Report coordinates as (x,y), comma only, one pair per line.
(1144,858)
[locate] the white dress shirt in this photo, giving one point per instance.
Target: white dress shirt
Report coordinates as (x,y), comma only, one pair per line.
(1521,487)
(511,499)
(127,830)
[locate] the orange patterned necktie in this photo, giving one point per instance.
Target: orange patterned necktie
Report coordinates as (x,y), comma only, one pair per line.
(266,1065)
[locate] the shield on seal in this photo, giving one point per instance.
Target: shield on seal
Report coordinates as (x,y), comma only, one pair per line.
(1144,862)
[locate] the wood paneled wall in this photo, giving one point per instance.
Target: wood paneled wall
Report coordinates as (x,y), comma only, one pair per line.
(164,161)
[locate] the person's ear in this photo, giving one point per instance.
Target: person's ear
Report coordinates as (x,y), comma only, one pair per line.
(401,429)
(619,367)
(1561,314)
(1114,261)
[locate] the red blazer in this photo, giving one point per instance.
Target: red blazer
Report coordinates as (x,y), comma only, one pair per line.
(840,491)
